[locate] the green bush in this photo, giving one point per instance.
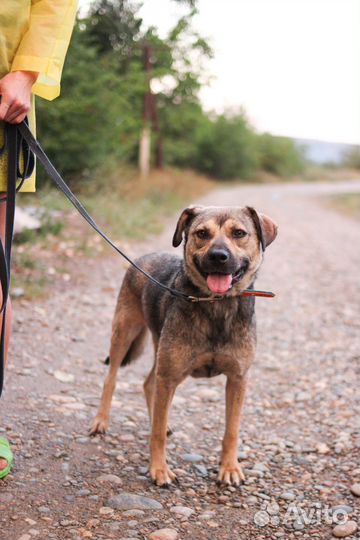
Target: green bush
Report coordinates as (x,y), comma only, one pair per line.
(226,148)
(279,155)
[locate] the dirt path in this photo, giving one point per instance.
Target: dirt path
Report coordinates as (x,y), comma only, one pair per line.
(298,439)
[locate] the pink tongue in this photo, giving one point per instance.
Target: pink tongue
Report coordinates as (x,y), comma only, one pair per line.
(219,283)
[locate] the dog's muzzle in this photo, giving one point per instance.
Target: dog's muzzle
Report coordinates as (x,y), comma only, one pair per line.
(220,269)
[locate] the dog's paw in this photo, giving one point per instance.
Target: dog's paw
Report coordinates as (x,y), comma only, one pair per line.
(231,475)
(99,426)
(162,475)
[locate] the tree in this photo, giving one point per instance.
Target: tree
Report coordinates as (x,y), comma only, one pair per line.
(112,26)
(86,124)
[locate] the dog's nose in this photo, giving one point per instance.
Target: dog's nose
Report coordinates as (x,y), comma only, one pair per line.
(218,255)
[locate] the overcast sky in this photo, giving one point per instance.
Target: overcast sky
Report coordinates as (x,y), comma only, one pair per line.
(293,64)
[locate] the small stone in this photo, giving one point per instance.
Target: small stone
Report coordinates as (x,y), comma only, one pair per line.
(164,534)
(64,377)
(201,469)
(111,478)
(44,509)
(129,501)
(24,537)
(208,394)
(193,458)
(182,511)
(207,515)
(264,496)
(65,522)
(260,467)
(212,524)
(355,490)
(17,292)
(346,529)
(61,399)
(30,521)
(127,437)
(253,472)
(83,493)
(322,448)
(106,511)
(134,513)
(92,523)
(288,496)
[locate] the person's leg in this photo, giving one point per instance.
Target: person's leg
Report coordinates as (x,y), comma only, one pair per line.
(3,462)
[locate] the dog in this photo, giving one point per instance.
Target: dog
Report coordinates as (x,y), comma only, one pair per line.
(223,251)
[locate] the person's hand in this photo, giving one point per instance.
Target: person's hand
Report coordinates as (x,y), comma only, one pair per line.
(15,92)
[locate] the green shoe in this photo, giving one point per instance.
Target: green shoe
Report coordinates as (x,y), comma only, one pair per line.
(5,453)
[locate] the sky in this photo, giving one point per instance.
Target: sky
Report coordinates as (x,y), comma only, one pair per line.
(293,64)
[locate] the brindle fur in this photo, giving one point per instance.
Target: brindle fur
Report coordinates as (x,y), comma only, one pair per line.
(201,339)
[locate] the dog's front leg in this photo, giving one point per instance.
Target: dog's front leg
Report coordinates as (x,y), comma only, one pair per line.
(230,470)
(163,394)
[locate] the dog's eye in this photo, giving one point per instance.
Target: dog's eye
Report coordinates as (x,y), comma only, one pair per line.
(239,233)
(203,234)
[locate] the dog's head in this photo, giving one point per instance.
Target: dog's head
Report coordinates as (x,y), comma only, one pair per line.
(223,246)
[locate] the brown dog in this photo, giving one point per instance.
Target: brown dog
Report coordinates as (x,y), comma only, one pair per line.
(223,251)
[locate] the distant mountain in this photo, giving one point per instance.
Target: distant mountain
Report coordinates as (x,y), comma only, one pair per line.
(322,151)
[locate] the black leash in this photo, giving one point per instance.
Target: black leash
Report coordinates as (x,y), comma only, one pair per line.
(5,250)
(20,139)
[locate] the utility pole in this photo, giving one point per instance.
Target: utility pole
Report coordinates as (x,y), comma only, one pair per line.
(159,155)
(145,137)
(151,119)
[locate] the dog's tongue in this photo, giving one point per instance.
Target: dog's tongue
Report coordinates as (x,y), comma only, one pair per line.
(219,283)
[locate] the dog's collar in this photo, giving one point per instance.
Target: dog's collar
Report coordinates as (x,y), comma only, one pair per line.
(246,292)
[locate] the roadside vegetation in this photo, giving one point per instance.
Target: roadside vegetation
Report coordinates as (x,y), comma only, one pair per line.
(346,203)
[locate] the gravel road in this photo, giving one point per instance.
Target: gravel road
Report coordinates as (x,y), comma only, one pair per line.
(299,435)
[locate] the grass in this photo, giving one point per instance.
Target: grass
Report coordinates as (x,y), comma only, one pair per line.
(317,172)
(346,203)
(126,206)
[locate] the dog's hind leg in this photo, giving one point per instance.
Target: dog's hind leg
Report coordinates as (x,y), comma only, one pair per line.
(127,336)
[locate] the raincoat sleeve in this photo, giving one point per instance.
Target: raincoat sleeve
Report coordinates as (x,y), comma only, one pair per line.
(43,46)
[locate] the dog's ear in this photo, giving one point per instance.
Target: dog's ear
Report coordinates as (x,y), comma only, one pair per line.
(265,227)
(183,223)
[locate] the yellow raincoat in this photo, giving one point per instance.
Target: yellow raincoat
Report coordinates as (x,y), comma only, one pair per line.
(34,36)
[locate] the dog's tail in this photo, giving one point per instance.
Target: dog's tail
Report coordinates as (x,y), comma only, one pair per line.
(134,351)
